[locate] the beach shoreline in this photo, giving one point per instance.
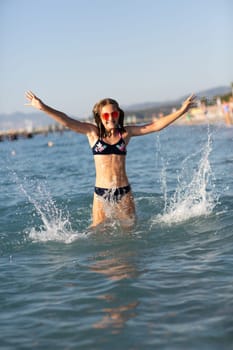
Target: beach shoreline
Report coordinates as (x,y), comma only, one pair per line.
(196,116)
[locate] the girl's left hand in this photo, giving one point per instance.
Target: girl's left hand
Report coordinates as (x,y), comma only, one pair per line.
(190,102)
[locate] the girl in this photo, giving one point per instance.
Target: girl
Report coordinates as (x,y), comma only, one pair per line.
(108,140)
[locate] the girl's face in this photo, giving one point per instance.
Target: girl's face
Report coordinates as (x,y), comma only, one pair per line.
(110,116)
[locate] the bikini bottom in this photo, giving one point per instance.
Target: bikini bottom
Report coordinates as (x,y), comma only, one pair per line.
(112,194)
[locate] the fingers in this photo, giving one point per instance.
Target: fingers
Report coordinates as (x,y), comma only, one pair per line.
(29,94)
(191,101)
(191,98)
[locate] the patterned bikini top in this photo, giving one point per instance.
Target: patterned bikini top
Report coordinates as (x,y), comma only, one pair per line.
(102,147)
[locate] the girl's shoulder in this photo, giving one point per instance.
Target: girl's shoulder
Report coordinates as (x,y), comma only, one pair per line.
(126,134)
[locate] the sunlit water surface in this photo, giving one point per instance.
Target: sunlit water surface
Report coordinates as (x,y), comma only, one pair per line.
(166,284)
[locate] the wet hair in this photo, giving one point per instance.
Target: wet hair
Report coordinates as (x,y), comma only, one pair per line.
(97,111)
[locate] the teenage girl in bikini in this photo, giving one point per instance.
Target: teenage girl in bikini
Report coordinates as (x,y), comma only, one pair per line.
(108,140)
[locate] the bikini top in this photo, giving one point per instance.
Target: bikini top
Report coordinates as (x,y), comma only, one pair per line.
(102,147)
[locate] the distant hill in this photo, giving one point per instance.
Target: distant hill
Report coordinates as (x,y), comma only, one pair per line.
(31,120)
(210,93)
(217,91)
(27,121)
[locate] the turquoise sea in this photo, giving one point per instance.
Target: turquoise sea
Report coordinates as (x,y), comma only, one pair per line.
(166,284)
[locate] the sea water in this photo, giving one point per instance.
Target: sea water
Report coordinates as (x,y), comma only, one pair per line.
(165,284)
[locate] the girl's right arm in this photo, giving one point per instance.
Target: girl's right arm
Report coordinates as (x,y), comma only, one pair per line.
(60,117)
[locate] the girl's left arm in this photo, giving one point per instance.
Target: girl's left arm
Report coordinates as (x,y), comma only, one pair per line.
(163,122)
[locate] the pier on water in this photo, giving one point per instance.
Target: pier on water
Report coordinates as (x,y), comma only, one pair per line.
(26,133)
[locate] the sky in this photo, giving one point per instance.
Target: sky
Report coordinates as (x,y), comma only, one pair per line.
(72,53)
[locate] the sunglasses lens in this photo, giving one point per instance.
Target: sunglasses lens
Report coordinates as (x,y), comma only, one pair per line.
(105,116)
(115,114)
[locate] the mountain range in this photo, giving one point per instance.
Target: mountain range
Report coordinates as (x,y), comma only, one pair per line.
(28,121)
(209,93)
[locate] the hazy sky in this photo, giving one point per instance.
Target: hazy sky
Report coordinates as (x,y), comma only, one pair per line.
(74,52)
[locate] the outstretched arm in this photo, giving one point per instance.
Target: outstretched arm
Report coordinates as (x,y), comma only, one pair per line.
(60,117)
(163,122)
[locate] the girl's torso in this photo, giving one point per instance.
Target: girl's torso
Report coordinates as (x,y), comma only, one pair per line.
(109,155)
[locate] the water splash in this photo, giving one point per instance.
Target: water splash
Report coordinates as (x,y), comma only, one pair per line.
(191,198)
(114,212)
(55,223)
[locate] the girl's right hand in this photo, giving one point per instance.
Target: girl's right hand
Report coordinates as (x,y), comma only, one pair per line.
(34,101)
